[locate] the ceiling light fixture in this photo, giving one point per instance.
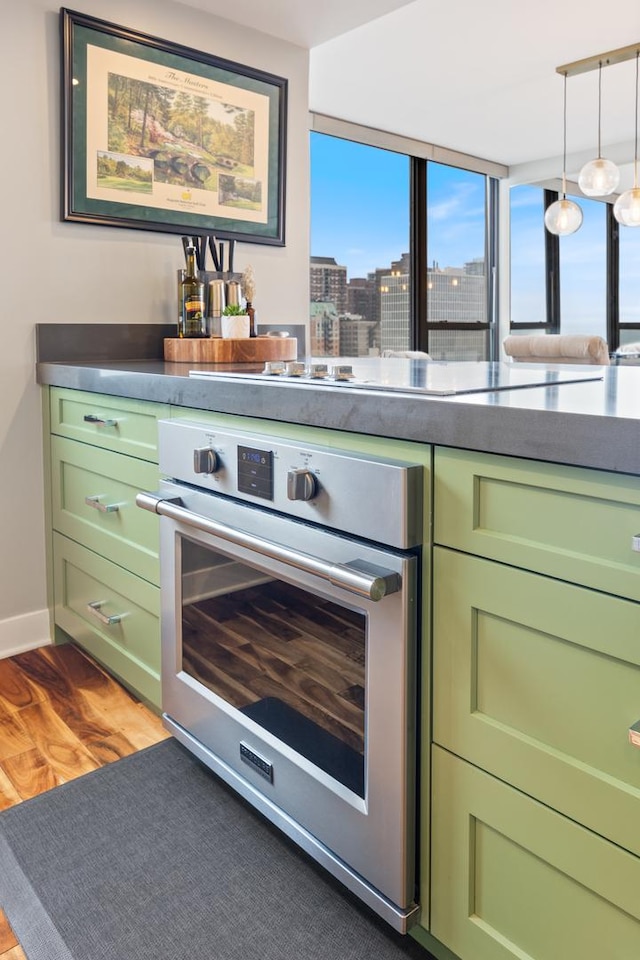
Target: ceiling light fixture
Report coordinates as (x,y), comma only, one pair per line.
(626,209)
(599,177)
(563,216)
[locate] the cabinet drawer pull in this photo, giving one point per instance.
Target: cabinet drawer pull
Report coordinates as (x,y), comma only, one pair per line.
(634,734)
(102,507)
(99,421)
(635,542)
(94,608)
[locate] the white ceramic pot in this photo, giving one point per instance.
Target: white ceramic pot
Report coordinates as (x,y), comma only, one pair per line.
(235,328)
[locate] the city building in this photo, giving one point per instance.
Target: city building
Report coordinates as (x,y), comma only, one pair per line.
(359,337)
(395,311)
(364,316)
(328,282)
(362,297)
(324,329)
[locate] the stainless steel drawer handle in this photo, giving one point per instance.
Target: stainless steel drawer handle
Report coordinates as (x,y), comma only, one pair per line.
(357,577)
(94,608)
(635,542)
(99,421)
(102,507)
(634,734)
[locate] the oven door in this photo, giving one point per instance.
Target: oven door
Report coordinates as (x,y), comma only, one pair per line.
(294,686)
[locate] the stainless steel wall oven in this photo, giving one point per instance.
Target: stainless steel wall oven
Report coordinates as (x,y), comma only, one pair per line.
(290,605)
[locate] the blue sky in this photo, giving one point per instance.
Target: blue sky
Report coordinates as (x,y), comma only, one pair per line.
(360,216)
(359,204)
(360,207)
(582,266)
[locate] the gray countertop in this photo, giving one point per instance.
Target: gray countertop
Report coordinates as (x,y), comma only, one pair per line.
(592,424)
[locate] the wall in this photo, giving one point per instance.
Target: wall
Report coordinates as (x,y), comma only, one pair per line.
(64,272)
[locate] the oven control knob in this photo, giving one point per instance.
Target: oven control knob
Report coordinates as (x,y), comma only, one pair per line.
(205,460)
(301,485)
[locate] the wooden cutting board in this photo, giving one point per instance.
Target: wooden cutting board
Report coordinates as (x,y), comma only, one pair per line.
(219,350)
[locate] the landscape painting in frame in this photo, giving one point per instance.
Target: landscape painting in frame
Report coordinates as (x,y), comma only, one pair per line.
(162,137)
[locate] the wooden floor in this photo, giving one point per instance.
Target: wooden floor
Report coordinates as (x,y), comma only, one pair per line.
(61,716)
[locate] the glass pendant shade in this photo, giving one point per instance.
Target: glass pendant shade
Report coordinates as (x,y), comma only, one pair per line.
(626,209)
(563,217)
(599,178)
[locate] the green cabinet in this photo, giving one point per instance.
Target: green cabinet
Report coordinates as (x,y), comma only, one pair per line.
(513,879)
(111,612)
(104,553)
(535,802)
(538,681)
(94,502)
(576,525)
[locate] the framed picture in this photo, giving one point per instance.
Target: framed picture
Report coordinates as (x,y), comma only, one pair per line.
(161,137)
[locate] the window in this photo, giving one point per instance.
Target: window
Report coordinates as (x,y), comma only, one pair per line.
(587,282)
(583,274)
(629,285)
(528,305)
(456,297)
(360,276)
(402,251)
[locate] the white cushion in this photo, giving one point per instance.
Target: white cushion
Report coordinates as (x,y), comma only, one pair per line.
(558,348)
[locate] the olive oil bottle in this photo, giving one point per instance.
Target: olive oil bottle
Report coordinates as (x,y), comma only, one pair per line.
(192,320)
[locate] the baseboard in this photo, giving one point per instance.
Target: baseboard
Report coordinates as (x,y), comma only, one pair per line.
(26,632)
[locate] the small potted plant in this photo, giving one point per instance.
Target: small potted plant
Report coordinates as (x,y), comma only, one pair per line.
(234,322)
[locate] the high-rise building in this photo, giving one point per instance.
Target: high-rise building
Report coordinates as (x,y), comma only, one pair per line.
(457,294)
(324,330)
(328,282)
(358,337)
(366,316)
(361,297)
(395,316)
(454,295)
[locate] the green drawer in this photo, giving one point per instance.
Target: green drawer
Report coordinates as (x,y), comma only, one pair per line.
(93,495)
(538,681)
(513,879)
(570,523)
(128,647)
(126,426)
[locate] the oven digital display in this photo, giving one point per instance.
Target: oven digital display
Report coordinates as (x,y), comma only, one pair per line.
(255,472)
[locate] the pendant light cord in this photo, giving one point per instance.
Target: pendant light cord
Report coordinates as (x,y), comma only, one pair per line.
(599,108)
(564,140)
(635,155)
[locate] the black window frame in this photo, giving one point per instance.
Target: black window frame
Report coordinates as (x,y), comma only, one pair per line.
(418,206)
(553,280)
(422,326)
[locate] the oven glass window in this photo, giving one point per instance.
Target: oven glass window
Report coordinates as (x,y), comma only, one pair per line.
(292,661)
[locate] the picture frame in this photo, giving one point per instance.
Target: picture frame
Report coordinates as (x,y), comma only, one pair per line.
(158,136)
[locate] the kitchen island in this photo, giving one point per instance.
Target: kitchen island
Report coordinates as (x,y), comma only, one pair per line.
(592,424)
(530,783)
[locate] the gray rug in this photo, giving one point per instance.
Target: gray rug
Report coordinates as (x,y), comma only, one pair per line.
(153,858)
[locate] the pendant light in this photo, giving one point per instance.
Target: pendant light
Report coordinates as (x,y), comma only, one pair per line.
(564,216)
(599,177)
(626,209)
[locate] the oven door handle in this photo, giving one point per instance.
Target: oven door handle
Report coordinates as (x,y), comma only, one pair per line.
(357,576)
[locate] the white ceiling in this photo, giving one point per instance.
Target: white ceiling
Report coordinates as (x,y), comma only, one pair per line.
(475,77)
(306,23)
